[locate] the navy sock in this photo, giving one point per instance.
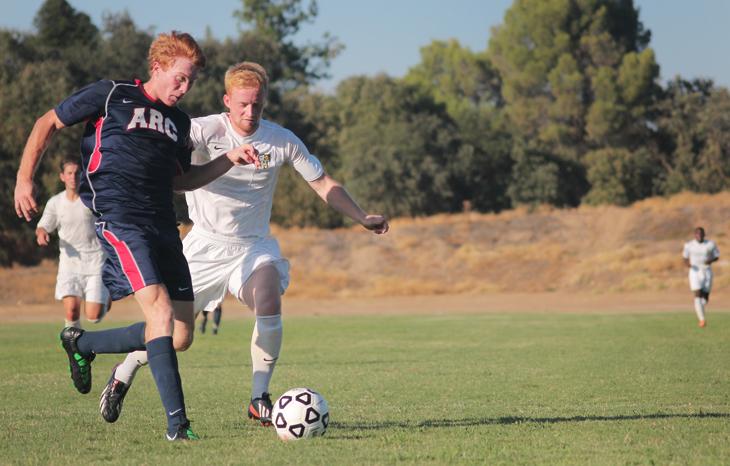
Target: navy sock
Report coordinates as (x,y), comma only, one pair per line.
(163,364)
(116,340)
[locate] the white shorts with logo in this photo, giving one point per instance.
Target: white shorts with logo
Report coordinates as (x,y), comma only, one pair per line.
(217,267)
(88,287)
(700,279)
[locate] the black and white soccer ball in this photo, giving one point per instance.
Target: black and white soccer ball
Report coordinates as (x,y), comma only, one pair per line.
(300,413)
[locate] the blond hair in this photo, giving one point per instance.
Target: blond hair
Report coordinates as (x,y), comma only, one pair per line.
(169,46)
(246,75)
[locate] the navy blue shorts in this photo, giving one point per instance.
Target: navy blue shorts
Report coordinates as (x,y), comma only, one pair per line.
(141,255)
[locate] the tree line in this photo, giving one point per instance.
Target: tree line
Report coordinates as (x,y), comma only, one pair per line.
(562,107)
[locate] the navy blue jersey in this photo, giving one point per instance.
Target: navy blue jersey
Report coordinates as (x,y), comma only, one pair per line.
(131,149)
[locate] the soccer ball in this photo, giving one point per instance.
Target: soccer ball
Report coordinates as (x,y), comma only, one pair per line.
(300,413)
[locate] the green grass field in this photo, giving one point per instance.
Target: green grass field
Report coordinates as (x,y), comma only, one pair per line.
(482,389)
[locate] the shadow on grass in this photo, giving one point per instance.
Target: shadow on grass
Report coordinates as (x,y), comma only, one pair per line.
(468,422)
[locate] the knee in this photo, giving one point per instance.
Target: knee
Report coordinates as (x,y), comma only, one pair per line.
(95,315)
(268,304)
(182,342)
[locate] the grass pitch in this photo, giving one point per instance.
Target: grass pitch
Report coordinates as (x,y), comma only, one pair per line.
(478,389)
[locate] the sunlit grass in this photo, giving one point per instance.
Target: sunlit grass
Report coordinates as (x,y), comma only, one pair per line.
(480,389)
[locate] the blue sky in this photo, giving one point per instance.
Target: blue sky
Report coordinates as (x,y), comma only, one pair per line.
(690,38)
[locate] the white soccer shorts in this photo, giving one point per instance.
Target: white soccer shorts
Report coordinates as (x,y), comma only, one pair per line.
(218,267)
(700,279)
(88,287)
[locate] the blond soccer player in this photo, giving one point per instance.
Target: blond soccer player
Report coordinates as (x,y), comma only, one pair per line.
(230,248)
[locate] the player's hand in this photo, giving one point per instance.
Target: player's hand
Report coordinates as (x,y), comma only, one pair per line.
(25,205)
(244,155)
(376,223)
(42,237)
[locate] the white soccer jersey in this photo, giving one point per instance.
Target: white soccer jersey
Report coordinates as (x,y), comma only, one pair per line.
(698,253)
(238,204)
(80,251)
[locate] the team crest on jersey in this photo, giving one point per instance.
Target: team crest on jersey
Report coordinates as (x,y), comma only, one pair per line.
(264,160)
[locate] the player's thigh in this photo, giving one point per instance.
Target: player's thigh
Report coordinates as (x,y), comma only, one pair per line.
(211,265)
(69,285)
(707,283)
(96,296)
(696,280)
(263,273)
(131,257)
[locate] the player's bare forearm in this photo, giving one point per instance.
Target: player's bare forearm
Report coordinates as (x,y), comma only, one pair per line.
(686,263)
(337,197)
(200,175)
(43,129)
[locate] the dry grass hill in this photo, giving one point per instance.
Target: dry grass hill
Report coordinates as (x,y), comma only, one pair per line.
(589,249)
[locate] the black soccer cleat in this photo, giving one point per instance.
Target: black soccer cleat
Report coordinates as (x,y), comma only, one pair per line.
(112,398)
(183,433)
(79,364)
(260,409)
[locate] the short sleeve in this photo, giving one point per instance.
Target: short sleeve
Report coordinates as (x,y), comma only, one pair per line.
(715,251)
(306,164)
(49,219)
(197,141)
(86,103)
(685,251)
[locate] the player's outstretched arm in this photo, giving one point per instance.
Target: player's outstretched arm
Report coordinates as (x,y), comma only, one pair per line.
(200,175)
(337,197)
(43,129)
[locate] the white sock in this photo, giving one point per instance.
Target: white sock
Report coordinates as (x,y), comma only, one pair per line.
(73,323)
(128,368)
(700,308)
(265,347)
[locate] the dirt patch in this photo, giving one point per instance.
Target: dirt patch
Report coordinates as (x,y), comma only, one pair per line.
(608,258)
(127,310)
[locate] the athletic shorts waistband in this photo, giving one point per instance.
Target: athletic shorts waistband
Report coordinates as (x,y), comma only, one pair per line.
(237,240)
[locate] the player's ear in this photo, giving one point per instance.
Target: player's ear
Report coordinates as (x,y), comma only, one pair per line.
(227,100)
(156,67)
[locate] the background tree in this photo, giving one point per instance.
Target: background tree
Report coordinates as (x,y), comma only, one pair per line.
(469,87)
(577,77)
(394,146)
(695,129)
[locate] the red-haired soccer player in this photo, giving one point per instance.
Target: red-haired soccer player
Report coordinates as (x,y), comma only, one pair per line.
(135,152)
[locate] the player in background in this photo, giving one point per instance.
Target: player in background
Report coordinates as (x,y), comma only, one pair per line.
(135,151)
(230,247)
(698,254)
(217,313)
(80,257)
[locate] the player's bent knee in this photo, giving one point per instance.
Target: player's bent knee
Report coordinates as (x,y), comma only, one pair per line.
(182,343)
